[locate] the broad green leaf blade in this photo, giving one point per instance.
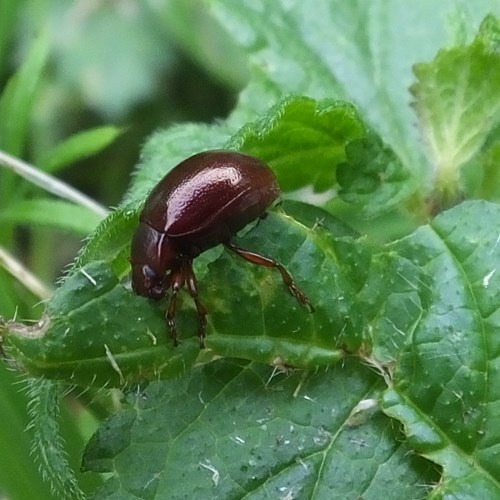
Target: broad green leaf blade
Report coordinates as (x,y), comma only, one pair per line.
(321,266)
(52,213)
(361,51)
(435,327)
(325,144)
(95,330)
(303,140)
(79,146)
(462,478)
(234,430)
(457,98)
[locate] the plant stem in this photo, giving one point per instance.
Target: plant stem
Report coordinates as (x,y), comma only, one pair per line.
(23,275)
(50,183)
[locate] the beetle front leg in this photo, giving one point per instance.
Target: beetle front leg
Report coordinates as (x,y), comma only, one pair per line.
(192,284)
(261,260)
(176,280)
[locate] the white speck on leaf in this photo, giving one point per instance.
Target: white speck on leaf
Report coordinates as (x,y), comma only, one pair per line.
(215,473)
(359,443)
(495,245)
(396,329)
(487,278)
(114,364)
(154,478)
(87,275)
(149,333)
(289,496)
(201,399)
(238,440)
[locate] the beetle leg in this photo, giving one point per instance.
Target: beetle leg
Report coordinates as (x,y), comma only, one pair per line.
(176,282)
(261,260)
(192,284)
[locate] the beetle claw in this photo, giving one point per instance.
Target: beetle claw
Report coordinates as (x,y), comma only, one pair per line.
(202,333)
(172,331)
(300,296)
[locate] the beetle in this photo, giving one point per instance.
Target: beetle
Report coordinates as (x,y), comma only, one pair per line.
(201,203)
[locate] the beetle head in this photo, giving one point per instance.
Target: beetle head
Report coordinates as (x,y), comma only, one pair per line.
(152,256)
(147,282)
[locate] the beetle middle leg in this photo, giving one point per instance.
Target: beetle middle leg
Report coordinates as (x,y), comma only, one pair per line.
(261,260)
(192,284)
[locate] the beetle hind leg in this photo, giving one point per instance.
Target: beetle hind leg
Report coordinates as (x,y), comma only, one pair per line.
(261,260)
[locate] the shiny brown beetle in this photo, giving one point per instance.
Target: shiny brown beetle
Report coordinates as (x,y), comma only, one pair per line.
(201,203)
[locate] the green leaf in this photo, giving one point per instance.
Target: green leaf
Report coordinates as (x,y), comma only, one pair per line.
(16,100)
(235,430)
(56,214)
(302,140)
(457,98)
(357,51)
(119,53)
(489,34)
(434,303)
(79,146)
(208,43)
(373,177)
(96,331)
(288,136)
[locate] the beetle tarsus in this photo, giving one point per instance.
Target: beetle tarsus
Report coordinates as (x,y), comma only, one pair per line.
(177,282)
(301,297)
(294,289)
(192,284)
(170,317)
(202,321)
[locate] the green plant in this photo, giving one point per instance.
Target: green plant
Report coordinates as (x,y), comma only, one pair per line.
(390,387)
